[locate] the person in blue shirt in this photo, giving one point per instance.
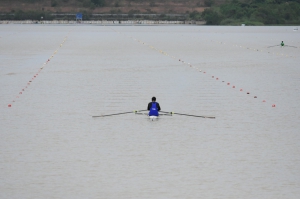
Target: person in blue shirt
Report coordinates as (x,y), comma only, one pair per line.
(153,107)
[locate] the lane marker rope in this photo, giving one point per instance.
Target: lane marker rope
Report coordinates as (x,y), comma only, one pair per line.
(180,60)
(40,70)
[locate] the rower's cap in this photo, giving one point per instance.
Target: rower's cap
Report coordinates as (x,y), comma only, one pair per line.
(153,99)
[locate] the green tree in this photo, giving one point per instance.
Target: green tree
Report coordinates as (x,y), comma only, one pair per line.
(99,3)
(211,17)
(195,15)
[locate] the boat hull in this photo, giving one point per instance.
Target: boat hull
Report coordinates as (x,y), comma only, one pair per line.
(153,117)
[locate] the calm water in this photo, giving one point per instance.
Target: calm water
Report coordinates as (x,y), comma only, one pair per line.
(51,147)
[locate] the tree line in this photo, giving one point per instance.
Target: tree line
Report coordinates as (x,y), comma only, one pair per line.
(253,12)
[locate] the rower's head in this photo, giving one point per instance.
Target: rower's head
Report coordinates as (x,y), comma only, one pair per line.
(153,99)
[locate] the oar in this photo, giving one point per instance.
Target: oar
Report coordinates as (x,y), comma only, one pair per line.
(291,46)
(189,115)
(141,113)
(168,114)
(273,46)
(117,113)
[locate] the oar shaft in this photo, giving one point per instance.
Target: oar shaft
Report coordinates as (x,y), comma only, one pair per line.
(118,113)
(165,112)
(188,115)
(273,46)
(291,46)
(194,115)
(112,114)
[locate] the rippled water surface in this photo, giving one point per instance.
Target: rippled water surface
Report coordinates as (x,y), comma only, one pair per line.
(51,147)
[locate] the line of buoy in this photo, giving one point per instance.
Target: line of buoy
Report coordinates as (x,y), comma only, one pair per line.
(36,75)
(188,63)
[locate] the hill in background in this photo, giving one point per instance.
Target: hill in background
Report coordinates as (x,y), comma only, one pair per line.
(214,12)
(108,6)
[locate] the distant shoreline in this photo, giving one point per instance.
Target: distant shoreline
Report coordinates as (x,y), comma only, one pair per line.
(106,22)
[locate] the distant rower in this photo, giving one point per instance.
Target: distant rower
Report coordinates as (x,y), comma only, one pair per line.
(282,44)
(153,107)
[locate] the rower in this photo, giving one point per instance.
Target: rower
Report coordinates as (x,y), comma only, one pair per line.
(153,107)
(282,44)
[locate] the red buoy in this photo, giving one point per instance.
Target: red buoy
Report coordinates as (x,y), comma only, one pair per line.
(212,76)
(9,105)
(20,93)
(228,83)
(273,105)
(217,78)
(255,96)
(248,93)
(233,86)
(264,101)
(241,89)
